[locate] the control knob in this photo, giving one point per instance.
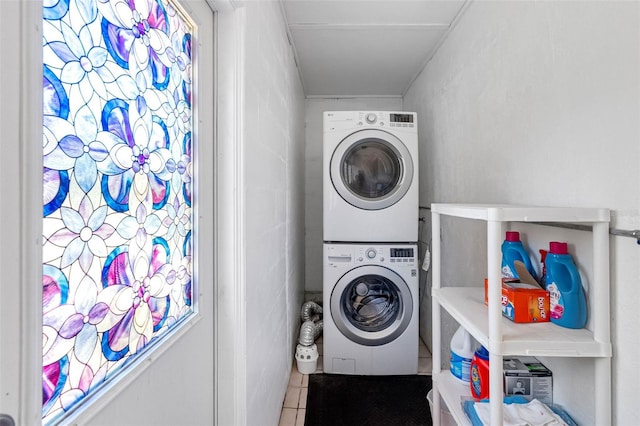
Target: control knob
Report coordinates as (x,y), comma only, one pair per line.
(371,118)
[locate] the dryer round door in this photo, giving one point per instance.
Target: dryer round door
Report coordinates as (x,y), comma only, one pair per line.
(371,169)
(371,305)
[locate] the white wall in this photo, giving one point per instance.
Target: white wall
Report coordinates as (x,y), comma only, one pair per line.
(539,103)
(273,192)
(313,173)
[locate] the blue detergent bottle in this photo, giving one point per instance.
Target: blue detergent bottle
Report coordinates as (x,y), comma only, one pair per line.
(568,303)
(512,250)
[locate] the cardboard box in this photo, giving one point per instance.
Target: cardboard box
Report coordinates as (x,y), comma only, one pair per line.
(522,302)
(528,377)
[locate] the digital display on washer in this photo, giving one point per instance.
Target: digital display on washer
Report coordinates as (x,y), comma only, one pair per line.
(402,118)
(401,252)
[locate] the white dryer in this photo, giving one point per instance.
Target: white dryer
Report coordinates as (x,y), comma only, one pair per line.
(370,301)
(370,176)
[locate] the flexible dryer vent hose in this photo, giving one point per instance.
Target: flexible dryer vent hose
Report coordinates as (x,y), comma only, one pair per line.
(311,315)
(309,332)
(310,311)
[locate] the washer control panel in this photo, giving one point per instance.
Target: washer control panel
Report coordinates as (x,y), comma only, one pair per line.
(391,255)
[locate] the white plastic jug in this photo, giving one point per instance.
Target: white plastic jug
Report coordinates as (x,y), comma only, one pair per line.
(463,345)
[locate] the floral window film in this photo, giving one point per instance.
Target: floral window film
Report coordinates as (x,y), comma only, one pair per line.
(117,188)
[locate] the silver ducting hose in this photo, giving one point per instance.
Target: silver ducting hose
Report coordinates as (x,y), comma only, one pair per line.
(311,315)
(311,311)
(309,332)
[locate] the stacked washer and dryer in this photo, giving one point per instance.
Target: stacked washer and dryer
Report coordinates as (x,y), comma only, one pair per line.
(370,233)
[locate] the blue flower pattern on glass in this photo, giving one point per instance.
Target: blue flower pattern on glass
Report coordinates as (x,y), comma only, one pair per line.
(117,188)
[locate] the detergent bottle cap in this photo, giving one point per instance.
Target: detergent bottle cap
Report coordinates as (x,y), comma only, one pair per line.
(556,247)
(482,353)
(513,236)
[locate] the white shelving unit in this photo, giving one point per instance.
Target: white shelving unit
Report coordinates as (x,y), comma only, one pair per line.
(503,337)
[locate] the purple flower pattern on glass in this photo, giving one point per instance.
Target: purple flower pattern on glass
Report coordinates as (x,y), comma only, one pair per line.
(117,188)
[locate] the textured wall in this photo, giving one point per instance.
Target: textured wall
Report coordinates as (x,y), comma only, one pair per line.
(273,120)
(538,103)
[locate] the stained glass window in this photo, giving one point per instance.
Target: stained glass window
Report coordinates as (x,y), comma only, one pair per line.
(117,188)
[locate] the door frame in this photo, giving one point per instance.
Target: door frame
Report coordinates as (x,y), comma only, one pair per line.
(21,216)
(21,223)
(231,324)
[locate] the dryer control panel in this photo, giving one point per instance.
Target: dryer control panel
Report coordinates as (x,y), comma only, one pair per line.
(342,120)
(401,118)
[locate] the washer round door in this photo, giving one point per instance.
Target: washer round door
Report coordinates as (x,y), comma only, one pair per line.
(371,305)
(371,169)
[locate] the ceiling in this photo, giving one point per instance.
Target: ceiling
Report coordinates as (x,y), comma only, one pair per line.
(365,47)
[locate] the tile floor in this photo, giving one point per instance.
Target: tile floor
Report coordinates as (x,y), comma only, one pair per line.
(295,401)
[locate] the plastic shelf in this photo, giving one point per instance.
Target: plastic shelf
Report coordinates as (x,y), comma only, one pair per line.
(504,337)
(466,306)
(453,393)
(514,213)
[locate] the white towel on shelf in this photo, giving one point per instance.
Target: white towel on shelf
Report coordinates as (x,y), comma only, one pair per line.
(533,413)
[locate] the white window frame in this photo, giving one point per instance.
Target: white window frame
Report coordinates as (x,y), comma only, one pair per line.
(21,217)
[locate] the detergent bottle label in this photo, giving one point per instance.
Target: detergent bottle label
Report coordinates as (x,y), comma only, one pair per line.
(476,385)
(556,304)
(460,366)
(507,272)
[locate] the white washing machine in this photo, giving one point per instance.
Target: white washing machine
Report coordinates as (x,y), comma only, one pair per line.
(370,176)
(370,301)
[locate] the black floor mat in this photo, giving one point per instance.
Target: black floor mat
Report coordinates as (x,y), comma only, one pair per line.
(335,400)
